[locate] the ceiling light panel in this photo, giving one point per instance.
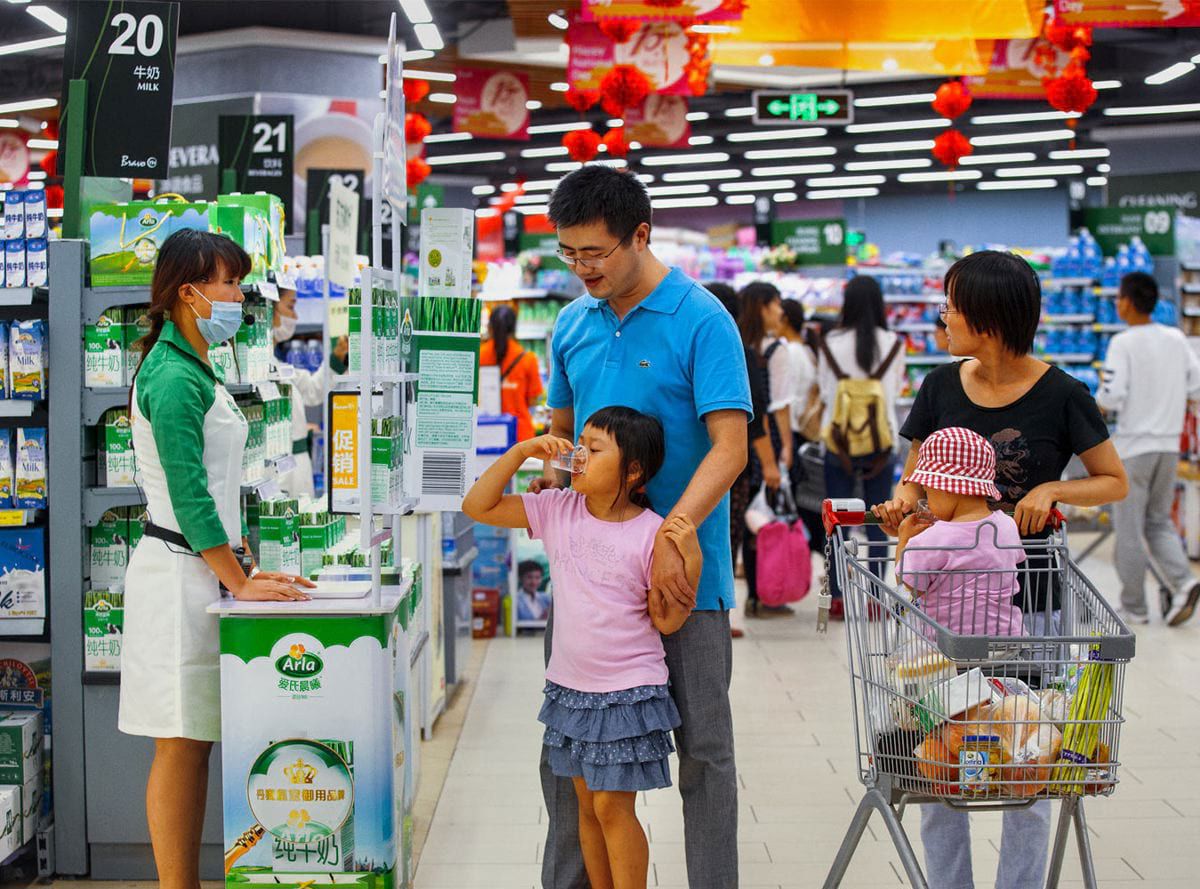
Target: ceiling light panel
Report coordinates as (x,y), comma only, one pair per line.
(882,147)
(549,151)
(832,181)
(740,199)
(914,163)
(1166,75)
(477,157)
(1094,181)
(442,76)
(1009,157)
(48,16)
(559,127)
(885,101)
(663,191)
(941,176)
(842,193)
(429,36)
(1025,118)
(1023,138)
(700,175)
(785,197)
(667,203)
(773,135)
(761,185)
(1135,110)
(700,157)
(1073,154)
(448,137)
(930,123)
(779,154)
(1017,184)
(792,170)
(1033,172)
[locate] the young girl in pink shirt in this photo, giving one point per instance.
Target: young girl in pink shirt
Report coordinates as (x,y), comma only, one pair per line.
(608,711)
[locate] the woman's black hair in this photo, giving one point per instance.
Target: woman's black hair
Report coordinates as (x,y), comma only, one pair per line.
(503,324)
(864,313)
(998,294)
(726,294)
(793,313)
(642,442)
(753,298)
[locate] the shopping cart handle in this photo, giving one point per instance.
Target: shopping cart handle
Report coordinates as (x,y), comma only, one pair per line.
(851,512)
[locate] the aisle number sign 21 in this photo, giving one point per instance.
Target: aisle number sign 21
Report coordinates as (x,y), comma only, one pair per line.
(125,50)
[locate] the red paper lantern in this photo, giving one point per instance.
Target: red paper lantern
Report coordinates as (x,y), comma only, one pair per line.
(951,99)
(415,90)
(620,30)
(624,86)
(950,147)
(1068,37)
(698,64)
(416,170)
(581,145)
(1071,92)
(54,197)
(416,128)
(49,163)
(614,142)
(582,100)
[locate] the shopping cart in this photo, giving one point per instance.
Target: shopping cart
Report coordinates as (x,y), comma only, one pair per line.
(999,719)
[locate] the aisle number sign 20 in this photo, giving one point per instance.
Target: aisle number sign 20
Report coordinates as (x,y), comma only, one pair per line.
(146,33)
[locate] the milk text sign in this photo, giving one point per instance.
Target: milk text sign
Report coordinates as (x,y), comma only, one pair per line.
(125,50)
(788,107)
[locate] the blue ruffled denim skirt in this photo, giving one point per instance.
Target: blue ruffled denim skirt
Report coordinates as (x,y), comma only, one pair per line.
(617,740)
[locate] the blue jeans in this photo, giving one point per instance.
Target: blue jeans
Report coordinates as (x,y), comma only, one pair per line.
(1024,847)
(875,490)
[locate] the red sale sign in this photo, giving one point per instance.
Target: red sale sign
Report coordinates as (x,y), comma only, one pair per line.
(658,50)
(659,122)
(491,104)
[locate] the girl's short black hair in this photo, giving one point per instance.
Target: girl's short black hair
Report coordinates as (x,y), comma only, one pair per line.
(998,294)
(596,192)
(641,440)
(793,311)
(1140,289)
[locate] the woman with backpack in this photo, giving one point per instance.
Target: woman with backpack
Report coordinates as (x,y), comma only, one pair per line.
(860,372)
(520,376)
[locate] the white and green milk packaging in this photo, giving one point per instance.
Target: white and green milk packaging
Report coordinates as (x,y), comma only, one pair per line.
(104,350)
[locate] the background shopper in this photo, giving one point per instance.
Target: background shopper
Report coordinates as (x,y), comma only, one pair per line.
(806,412)
(1036,416)
(189,436)
(520,376)
(1149,374)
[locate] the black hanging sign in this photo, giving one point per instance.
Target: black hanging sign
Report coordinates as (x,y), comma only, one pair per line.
(125,50)
(258,148)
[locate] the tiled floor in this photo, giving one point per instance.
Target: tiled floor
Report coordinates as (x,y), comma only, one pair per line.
(795,759)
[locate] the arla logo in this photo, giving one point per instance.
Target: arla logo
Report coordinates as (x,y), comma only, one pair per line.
(299,663)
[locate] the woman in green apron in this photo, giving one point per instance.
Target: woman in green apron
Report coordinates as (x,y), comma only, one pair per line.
(189,436)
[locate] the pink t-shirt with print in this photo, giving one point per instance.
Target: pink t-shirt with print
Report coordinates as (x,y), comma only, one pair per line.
(603,637)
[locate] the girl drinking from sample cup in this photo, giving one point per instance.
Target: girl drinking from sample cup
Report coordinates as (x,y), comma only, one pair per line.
(608,711)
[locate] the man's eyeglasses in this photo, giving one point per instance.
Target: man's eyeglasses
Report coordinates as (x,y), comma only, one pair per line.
(944,309)
(594,262)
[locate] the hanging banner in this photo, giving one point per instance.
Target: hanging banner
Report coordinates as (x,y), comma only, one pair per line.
(125,50)
(659,122)
(492,104)
(259,150)
(1143,14)
(659,50)
(691,11)
(1017,70)
(343,234)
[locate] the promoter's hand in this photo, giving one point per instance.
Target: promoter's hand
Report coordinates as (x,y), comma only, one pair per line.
(293,579)
(891,513)
(266,586)
(1033,511)
(545,447)
(668,573)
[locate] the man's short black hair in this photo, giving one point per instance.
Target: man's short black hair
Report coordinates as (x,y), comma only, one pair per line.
(528,566)
(597,192)
(998,294)
(1141,290)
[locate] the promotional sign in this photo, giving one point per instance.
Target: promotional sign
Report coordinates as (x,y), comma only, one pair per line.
(343,234)
(816,241)
(1178,190)
(492,104)
(659,50)
(1143,14)
(659,122)
(343,470)
(787,107)
(23,581)
(125,50)
(395,153)
(692,11)
(14,157)
(1114,226)
(1017,70)
(259,149)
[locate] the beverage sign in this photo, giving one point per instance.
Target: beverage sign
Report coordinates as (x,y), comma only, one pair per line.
(125,50)
(784,106)
(1114,226)
(492,104)
(259,148)
(815,241)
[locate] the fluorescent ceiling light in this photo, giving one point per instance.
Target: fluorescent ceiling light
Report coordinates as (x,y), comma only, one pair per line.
(533,105)
(541,184)
(1166,75)
(559,127)
(448,137)
(37,175)
(530,199)
(667,203)
(646,178)
(697,115)
(9,123)
(483,190)
(884,101)
(1025,118)
(1011,157)
(553,151)
(700,175)
(429,36)
(1016,184)
(509,186)
(1106,84)
(663,191)
(914,163)
(558,21)
(559,87)
(746,111)
(712,29)
(929,123)
(792,170)
(30,45)
(533,209)
(47,144)
(941,176)
(414,55)
(443,98)
(761,185)
(782,154)
(1103,168)
(484,212)
(48,16)
(1128,110)
(664,160)
(569,166)
(740,199)
(1072,154)
(615,122)
(477,157)
(443,76)
(771,135)
(1094,181)
(1022,138)
(842,193)
(881,147)
(700,140)
(1029,172)
(828,181)
(416,10)
(27,105)
(785,197)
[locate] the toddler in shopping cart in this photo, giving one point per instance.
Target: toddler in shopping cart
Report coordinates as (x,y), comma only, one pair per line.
(608,711)
(962,568)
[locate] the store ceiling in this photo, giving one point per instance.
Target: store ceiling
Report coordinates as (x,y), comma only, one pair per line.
(517,33)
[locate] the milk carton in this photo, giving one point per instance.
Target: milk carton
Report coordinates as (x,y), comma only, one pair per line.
(137,325)
(104,350)
(20,747)
(14,263)
(35,213)
(27,359)
(6,469)
(108,551)
(103,630)
(31,808)
(10,821)
(14,216)
(30,475)
(37,262)
(120,463)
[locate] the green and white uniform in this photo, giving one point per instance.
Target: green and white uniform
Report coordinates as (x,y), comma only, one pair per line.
(189,436)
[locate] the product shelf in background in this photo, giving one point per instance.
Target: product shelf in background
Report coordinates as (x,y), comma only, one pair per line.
(1069,319)
(15,407)
(97,501)
(1052,283)
(927,299)
(21,296)
(96,400)
(929,359)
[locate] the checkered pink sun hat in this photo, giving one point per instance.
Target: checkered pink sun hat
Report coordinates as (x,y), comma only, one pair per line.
(959,461)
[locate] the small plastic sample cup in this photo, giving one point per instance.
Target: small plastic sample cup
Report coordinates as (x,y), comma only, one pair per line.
(574,462)
(924,512)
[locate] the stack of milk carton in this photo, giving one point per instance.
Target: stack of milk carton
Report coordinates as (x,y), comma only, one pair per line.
(25,258)
(20,778)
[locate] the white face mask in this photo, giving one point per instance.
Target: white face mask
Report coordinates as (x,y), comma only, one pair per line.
(284,329)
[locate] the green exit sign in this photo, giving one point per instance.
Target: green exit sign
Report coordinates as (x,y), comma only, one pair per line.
(787,107)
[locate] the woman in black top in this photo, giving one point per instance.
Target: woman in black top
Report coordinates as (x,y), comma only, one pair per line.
(1037,417)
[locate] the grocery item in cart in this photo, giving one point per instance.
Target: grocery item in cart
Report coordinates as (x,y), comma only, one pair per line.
(954,696)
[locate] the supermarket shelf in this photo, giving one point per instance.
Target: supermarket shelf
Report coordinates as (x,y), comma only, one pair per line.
(1190,288)
(101,677)
(97,299)
(906,401)
(1110,328)
(534,331)
(20,296)
(1107,291)
(98,400)
(98,501)
(1067,282)
(929,359)
(351,383)
(308,327)
(16,407)
(1070,358)
(1069,319)
(917,299)
(915,327)
(522,293)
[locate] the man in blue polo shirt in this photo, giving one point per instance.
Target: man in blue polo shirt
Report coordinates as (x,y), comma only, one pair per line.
(651,338)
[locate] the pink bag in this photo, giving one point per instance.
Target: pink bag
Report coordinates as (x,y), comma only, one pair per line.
(784,562)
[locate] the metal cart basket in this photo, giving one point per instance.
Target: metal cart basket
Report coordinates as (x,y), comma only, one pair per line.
(962,698)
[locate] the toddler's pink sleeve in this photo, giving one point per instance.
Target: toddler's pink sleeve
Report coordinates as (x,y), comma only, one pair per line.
(917,563)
